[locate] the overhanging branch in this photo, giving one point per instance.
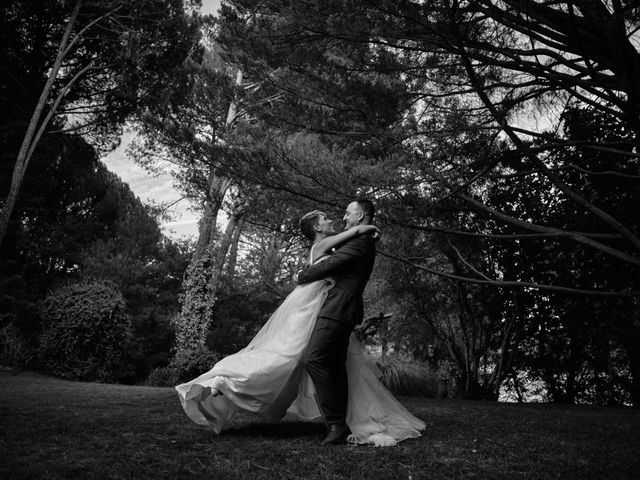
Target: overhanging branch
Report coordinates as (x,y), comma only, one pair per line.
(510,284)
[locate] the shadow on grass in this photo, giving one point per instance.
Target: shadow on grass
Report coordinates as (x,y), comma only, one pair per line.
(281,430)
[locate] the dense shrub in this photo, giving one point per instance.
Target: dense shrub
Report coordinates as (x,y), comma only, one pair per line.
(85,330)
(404,377)
(192,362)
(163,377)
(186,365)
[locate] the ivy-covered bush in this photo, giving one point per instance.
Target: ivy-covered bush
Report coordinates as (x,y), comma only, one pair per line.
(85,331)
(192,354)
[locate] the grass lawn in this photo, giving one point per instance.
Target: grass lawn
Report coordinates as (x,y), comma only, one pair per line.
(55,429)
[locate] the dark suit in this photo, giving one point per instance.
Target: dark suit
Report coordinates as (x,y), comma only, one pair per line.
(326,354)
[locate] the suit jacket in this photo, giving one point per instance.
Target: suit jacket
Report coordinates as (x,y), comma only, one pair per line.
(350,265)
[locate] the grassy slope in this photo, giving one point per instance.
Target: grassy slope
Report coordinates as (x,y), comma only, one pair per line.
(53,429)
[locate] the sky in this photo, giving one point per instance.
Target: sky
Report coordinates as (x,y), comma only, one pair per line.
(152,188)
(210,6)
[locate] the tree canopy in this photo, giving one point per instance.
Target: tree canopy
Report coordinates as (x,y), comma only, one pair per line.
(85,67)
(499,141)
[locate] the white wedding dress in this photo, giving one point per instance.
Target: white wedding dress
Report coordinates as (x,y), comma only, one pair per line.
(267,377)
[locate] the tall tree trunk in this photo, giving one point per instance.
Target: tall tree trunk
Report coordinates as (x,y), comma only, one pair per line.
(36,127)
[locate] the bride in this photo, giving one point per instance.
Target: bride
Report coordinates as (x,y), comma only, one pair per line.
(268,377)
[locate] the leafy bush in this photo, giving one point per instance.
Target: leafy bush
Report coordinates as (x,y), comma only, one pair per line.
(188,364)
(162,377)
(85,330)
(192,362)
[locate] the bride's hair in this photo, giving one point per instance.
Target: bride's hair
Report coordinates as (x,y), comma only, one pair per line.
(307,222)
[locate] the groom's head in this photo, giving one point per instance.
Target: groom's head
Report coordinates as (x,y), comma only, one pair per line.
(359,212)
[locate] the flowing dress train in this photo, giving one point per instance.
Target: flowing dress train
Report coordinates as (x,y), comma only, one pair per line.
(267,377)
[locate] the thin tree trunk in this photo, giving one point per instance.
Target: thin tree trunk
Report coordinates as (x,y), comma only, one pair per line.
(223,250)
(271,260)
(232,114)
(500,367)
(218,187)
(233,251)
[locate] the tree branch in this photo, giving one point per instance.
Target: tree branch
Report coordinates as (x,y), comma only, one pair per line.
(510,284)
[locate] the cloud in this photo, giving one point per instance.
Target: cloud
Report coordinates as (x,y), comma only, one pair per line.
(177,230)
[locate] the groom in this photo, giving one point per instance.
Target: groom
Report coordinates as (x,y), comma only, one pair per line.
(326,355)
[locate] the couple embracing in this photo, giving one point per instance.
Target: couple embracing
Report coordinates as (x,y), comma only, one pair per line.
(306,360)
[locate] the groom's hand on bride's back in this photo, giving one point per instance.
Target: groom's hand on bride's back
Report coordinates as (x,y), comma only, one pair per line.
(301,273)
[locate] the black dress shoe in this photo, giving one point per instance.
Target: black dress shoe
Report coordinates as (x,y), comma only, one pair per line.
(337,434)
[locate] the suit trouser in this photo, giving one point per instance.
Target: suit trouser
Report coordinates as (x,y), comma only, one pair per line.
(325,361)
